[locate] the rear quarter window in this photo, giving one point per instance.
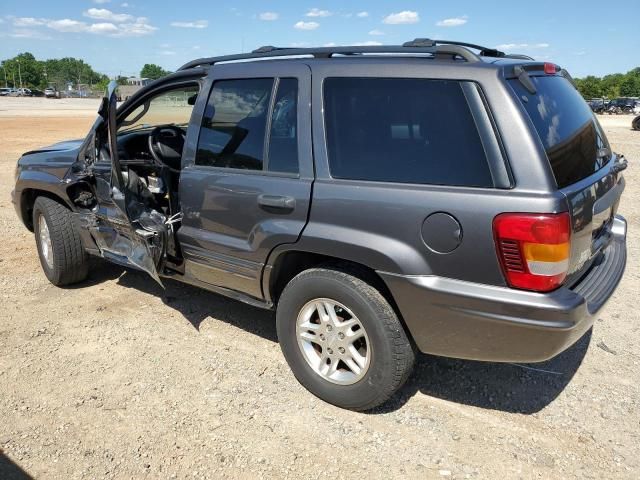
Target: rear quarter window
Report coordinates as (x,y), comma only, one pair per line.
(403,130)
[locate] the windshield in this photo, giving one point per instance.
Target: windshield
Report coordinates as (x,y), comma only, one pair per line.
(571,135)
(173,107)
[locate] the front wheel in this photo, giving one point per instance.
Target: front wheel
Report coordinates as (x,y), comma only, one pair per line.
(635,124)
(342,339)
(62,255)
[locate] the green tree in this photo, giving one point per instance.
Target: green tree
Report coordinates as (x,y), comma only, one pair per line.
(25,67)
(153,71)
(590,87)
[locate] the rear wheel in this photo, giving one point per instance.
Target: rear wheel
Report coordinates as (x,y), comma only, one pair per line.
(62,256)
(342,339)
(635,124)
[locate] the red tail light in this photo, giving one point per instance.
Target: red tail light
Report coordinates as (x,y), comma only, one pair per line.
(550,68)
(533,249)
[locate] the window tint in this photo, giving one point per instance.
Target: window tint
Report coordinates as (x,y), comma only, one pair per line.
(403,130)
(234,124)
(569,132)
(283,143)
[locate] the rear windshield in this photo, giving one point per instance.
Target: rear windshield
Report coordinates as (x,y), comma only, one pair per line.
(570,133)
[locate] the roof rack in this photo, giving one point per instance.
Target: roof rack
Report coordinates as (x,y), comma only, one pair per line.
(437,48)
(484,51)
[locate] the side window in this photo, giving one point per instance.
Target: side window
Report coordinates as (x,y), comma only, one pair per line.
(403,130)
(234,124)
(283,141)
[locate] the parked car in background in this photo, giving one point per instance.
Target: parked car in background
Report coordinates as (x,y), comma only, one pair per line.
(4,92)
(24,92)
(622,105)
(427,198)
(598,105)
(10,92)
(51,92)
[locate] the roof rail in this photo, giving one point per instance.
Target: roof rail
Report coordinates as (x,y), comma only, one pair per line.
(484,51)
(437,48)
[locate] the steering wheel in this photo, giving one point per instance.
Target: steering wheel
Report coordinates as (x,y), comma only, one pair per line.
(165,145)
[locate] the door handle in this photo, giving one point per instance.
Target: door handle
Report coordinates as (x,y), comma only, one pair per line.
(277,201)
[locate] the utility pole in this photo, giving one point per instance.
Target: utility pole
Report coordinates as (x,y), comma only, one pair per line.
(19,74)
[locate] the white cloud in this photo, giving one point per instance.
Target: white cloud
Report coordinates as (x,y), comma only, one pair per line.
(194,24)
(404,17)
(306,25)
(330,44)
(268,16)
(104,28)
(368,43)
(101,1)
(136,28)
(124,5)
(28,22)
(376,32)
(523,46)
(26,33)
(452,22)
(67,25)
(362,14)
(107,15)
(167,52)
(316,12)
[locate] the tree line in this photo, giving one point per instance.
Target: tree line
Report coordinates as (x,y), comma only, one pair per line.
(24,70)
(610,86)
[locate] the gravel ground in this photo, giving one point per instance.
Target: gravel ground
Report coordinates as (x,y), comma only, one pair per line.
(116,378)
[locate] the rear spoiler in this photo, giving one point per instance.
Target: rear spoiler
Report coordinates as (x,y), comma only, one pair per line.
(524,72)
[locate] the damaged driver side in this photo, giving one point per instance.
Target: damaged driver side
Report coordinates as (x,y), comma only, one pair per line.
(130,169)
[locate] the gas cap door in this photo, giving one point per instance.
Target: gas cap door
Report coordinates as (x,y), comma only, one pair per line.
(441,232)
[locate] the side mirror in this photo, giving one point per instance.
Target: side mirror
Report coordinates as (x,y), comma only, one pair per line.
(192,99)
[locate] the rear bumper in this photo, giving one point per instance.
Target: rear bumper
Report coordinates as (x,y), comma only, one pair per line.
(461,319)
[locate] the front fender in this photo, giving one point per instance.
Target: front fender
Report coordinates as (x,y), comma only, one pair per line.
(29,183)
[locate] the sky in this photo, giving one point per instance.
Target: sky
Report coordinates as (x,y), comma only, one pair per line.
(117,37)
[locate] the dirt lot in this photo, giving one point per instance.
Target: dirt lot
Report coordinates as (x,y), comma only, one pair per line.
(116,378)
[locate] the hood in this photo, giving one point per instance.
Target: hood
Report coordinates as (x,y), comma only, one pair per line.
(58,147)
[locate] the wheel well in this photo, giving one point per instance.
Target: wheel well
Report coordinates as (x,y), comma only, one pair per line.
(28,199)
(290,264)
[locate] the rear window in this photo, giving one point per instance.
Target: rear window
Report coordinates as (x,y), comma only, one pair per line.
(403,130)
(566,126)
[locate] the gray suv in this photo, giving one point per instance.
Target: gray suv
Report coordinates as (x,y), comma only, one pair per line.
(435,196)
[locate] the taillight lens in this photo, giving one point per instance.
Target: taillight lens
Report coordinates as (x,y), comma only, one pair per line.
(533,249)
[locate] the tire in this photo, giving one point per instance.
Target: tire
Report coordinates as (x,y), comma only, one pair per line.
(388,352)
(68,261)
(635,124)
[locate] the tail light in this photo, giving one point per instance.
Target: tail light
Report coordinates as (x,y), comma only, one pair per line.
(533,249)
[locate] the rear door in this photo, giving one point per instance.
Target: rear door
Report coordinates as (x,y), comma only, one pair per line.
(245,185)
(586,171)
